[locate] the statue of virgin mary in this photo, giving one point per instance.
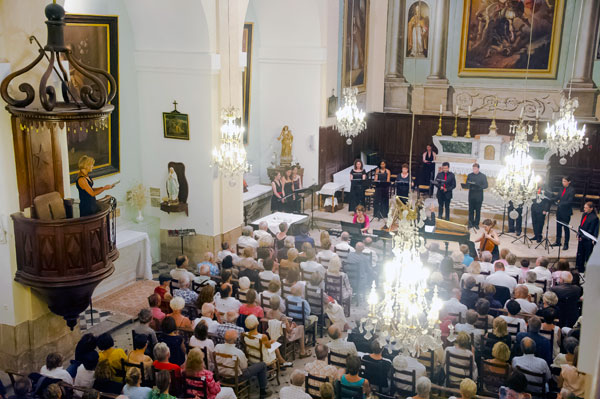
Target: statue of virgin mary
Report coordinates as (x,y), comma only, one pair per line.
(173,187)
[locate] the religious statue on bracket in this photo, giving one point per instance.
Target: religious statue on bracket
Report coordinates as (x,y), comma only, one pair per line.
(172,187)
(177,190)
(286,139)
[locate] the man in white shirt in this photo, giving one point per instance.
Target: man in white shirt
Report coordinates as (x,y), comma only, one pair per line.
(541,270)
(469,327)
(226,251)
(295,390)
(501,278)
(208,315)
(246,372)
(53,368)
(368,241)
(534,290)
(512,269)
(530,362)
(338,344)
(181,271)
(453,305)
(514,308)
(85,372)
(263,231)
(246,240)
(311,266)
(344,244)
(268,274)
(486,262)
(225,302)
(434,256)
(522,298)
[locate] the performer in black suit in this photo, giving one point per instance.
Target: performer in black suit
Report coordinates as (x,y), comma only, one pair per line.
(357,186)
(516,224)
(585,246)
(476,183)
(381,204)
(539,210)
(564,211)
(445,182)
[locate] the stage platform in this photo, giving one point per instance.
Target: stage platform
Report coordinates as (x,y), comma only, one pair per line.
(326,220)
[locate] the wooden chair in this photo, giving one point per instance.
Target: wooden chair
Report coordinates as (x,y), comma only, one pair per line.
(536,383)
(173,284)
(343,254)
(239,249)
(306,275)
(347,392)
(456,368)
(513,330)
(490,381)
(333,287)
(253,348)
(314,297)
(286,289)
(482,322)
(456,318)
(264,284)
(542,284)
(549,335)
(195,387)
(354,275)
(297,314)
(176,386)
(333,358)
(231,377)
(403,377)
(502,294)
(312,384)
(265,303)
(190,311)
(485,273)
(427,359)
(241,296)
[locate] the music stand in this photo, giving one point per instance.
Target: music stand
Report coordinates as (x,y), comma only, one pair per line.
(502,233)
(384,236)
(545,242)
(181,233)
(351,228)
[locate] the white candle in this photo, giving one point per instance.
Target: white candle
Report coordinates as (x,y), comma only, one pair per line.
(456,110)
(522,109)
(469,110)
(537,113)
(441,109)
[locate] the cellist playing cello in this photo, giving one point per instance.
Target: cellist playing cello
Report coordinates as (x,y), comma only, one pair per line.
(489,240)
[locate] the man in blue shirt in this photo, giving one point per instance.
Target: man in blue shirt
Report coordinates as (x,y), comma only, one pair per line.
(295,305)
(543,346)
(303,237)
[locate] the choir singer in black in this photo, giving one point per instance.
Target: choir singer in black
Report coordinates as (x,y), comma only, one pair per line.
(585,246)
(539,210)
(564,211)
(476,183)
(445,182)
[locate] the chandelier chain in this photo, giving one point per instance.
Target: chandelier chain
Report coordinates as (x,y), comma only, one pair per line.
(575,49)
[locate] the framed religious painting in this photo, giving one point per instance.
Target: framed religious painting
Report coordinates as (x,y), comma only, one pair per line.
(176,125)
(495,38)
(417,30)
(94,40)
(247,77)
(354,45)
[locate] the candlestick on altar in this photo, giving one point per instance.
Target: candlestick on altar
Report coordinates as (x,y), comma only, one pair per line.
(468,132)
(439,131)
(455,132)
(493,129)
(536,138)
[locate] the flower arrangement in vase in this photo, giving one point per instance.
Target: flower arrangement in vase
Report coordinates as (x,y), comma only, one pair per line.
(137,197)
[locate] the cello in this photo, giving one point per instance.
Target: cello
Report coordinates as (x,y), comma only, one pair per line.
(486,244)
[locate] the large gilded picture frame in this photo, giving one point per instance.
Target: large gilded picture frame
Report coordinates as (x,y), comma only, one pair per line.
(495,38)
(94,40)
(247,77)
(355,32)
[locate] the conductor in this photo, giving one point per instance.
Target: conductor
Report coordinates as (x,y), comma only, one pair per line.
(585,246)
(476,183)
(445,182)
(564,211)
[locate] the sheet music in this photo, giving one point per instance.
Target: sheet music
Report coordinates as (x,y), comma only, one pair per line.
(588,235)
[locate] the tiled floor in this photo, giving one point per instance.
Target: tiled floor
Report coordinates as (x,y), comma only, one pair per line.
(86,320)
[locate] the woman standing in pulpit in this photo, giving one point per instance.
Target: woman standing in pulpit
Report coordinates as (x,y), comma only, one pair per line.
(278,193)
(288,187)
(381,204)
(85,186)
(403,184)
(357,185)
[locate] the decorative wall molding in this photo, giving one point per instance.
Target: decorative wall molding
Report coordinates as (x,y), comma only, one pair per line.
(179,62)
(292,55)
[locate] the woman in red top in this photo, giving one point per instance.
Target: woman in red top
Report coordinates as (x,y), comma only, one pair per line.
(361,218)
(250,306)
(194,367)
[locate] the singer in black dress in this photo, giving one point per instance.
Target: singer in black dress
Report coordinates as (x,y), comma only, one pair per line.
(381,204)
(428,168)
(278,193)
(288,188)
(357,186)
(297,186)
(403,184)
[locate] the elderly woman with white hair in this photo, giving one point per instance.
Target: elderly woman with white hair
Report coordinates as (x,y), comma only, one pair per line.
(292,331)
(177,304)
(252,339)
(161,359)
(263,231)
(335,266)
(474,270)
(423,388)
(246,240)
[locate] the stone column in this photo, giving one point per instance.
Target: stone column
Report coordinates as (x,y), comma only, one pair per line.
(395,86)
(435,89)
(582,85)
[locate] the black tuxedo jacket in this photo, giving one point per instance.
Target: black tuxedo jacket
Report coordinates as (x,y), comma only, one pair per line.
(590,225)
(450,185)
(565,210)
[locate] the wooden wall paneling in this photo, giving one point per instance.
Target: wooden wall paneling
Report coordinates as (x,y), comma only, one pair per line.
(22,165)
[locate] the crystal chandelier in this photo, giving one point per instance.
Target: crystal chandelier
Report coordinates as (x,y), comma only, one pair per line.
(517,181)
(230,156)
(406,318)
(350,119)
(563,137)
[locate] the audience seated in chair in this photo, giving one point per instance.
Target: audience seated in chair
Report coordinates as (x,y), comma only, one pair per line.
(267,274)
(484,319)
(143,326)
(530,362)
(53,368)
(225,252)
(462,347)
(208,315)
(194,367)
(177,304)
(224,302)
(229,323)
(474,270)
(251,306)
(344,244)
(488,293)
(469,296)
(497,365)
(107,351)
(543,347)
(209,260)
(351,379)
(293,332)
(534,290)
(571,378)
(253,337)
(181,270)
(138,354)
(320,367)
(521,295)
(162,385)
(133,388)
(501,278)
(86,370)
(468,389)
(499,333)
(568,299)
(173,341)
(570,344)
(162,290)
(245,371)
(335,266)
(295,390)
(104,379)
(514,309)
(338,344)
(423,388)
(200,340)
(161,359)
(454,304)
(469,327)
(246,240)
(377,369)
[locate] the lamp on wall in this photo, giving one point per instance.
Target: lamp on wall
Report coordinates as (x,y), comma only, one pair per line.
(350,119)
(230,155)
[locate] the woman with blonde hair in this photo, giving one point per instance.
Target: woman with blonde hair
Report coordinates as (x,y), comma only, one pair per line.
(133,388)
(194,367)
(85,187)
(468,389)
(499,333)
(286,264)
(473,270)
(335,266)
(292,331)
(325,254)
(500,357)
